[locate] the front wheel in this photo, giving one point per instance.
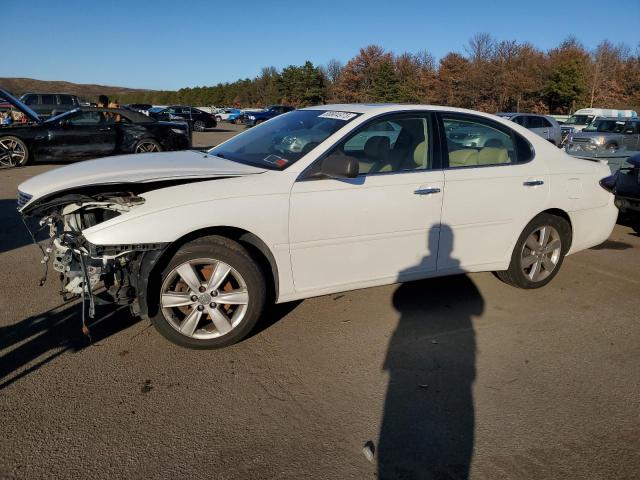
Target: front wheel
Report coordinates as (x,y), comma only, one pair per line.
(539,252)
(212,294)
(147,145)
(13,152)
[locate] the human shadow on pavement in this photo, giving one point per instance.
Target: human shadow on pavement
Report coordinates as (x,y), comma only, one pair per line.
(35,341)
(427,428)
(13,233)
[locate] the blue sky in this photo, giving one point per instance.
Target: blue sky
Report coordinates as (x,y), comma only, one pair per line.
(164,44)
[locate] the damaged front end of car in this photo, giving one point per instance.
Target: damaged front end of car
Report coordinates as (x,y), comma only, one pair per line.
(98,273)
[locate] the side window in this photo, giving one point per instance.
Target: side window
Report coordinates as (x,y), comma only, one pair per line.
(65,100)
(395,143)
(31,100)
(91,118)
(474,141)
(536,122)
(519,120)
(546,123)
(48,100)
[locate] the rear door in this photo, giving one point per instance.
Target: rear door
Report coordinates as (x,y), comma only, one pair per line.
(85,134)
(491,193)
(631,136)
(537,125)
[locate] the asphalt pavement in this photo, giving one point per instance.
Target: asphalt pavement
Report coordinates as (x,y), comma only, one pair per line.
(460,377)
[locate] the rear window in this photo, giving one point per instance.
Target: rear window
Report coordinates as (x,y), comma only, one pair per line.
(66,99)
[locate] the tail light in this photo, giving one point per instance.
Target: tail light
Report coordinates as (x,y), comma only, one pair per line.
(609,183)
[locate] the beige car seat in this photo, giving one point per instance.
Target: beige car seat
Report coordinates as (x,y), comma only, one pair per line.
(493,156)
(463,158)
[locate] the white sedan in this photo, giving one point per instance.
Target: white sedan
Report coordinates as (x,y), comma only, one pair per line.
(201,241)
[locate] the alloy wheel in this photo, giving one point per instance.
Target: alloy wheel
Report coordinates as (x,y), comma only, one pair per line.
(12,153)
(204,298)
(541,253)
(147,147)
(198,126)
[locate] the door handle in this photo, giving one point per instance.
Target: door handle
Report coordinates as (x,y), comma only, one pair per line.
(533,183)
(105,129)
(427,191)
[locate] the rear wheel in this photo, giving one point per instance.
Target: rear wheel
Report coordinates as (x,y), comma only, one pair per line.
(13,152)
(218,118)
(147,145)
(539,252)
(198,126)
(212,294)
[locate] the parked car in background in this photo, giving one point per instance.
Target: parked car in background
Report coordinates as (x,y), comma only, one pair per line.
(85,133)
(234,116)
(605,135)
(51,104)
(256,118)
(139,107)
(224,114)
(583,117)
(204,242)
(625,184)
(544,125)
(198,119)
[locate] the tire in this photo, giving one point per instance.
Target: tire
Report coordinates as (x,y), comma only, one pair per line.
(522,276)
(218,118)
(199,126)
(183,324)
(13,152)
(147,145)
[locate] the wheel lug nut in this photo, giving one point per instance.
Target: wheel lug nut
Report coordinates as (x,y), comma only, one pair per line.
(202,289)
(193,298)
(200,307)
(214,294)
(212,305)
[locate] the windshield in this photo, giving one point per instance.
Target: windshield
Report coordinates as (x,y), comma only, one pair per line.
(283,140)
(156,109)
(614,126)
(580,119)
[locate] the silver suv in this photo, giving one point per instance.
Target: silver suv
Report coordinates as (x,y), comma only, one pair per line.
(606,135)
(543,125)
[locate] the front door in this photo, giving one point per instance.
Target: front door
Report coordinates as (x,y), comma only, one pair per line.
(86,134)
(377,228)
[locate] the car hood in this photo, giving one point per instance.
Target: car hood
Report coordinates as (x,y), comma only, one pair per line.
(583,134)
(33,116)
(133,169)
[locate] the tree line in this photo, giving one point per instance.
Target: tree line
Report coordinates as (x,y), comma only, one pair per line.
(488,75)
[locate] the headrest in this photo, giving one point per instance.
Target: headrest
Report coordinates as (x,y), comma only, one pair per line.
(377,147)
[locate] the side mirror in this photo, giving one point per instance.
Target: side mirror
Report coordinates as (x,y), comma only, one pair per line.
(340,166)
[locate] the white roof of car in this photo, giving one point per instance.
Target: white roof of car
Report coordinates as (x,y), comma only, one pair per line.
(385,107)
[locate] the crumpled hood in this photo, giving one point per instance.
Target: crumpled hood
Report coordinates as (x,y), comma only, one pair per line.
(135,168)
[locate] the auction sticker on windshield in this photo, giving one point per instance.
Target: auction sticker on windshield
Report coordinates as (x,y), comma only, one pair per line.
(338,115)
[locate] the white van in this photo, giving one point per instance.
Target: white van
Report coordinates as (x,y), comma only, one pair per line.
(583,117)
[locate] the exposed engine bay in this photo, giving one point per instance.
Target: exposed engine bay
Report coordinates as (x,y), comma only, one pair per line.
(101,274)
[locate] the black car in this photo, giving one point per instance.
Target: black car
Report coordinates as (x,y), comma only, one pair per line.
(198,119)
(625,184)
(51,104)
(85,133)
